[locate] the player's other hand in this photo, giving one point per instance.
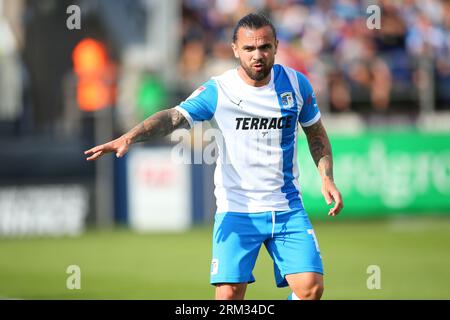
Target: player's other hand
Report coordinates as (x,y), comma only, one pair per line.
(119,146)
(332,194)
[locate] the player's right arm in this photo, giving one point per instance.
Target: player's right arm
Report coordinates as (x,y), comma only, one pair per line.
(199,106)
(160,124)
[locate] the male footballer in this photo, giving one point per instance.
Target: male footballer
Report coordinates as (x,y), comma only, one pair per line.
(257,108)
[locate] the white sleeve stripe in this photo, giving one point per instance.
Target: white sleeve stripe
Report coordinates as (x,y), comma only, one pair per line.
(312,121)
(186,115)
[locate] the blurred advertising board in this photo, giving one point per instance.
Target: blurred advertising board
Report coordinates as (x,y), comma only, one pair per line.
(43,210)
(159,190)
(381,172)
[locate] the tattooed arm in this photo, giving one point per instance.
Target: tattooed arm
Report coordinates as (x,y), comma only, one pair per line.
(320,148)
(160,124)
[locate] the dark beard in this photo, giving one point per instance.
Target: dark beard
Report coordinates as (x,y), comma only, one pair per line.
(257,76)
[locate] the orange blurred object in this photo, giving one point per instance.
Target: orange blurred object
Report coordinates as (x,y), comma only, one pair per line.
(95,72)
(89,56)
(92,94)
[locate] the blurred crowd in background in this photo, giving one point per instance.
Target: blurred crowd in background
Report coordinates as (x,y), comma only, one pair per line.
(351,67)
(162,51)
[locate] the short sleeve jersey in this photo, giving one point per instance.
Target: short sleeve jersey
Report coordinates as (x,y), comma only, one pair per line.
(256,168)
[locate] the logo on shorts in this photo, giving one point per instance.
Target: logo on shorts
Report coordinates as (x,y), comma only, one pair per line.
(214,266)
(287,100)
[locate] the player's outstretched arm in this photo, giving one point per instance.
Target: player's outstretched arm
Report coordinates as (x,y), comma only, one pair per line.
(320,148)
(160,124)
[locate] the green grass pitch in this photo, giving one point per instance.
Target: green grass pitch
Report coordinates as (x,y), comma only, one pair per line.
(413,254)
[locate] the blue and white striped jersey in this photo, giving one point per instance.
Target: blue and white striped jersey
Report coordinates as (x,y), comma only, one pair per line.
(256,168)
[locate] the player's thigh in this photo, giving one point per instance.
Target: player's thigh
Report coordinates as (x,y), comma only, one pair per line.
(293,248)
(230,291)
(236,243)
(306,285)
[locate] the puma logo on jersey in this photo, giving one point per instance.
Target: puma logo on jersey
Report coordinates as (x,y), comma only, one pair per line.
(238,104)
(263,123)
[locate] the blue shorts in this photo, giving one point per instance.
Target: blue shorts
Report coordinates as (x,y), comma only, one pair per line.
(287,235)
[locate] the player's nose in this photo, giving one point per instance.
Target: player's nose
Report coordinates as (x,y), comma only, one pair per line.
(258,56)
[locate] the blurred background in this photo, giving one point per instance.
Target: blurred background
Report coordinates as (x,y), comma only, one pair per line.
(74,74)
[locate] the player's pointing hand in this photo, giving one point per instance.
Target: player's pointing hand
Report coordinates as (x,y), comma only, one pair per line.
(119,146)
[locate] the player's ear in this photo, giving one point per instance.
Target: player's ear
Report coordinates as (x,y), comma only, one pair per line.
(276,46)
(235,50)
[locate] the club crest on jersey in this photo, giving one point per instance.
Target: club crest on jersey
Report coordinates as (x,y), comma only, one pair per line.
(287,100)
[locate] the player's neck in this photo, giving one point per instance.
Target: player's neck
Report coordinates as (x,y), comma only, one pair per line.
(250,81)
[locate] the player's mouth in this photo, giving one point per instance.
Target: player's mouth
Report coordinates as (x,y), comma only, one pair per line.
(258,66)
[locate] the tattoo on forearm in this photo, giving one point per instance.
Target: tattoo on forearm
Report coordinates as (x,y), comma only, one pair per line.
(320,148)
(326,167)
(158,125)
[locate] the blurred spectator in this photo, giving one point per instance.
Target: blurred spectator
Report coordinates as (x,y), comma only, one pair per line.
(191,63)
(352,67)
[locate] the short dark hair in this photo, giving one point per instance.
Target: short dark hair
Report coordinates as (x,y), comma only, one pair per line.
(253,21)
